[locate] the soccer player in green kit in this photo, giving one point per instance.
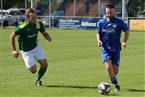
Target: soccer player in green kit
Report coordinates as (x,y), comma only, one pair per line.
(28,45)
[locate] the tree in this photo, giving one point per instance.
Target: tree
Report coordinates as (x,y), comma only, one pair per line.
(135,7)
(14,4)
(142,5)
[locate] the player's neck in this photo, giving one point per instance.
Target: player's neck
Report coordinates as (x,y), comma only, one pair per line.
(110,18)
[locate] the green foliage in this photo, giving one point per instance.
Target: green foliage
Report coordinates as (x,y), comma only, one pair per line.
(13,4)
(75,68)
(135,7)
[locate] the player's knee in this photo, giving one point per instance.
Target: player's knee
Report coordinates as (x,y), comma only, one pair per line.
(116,72)
(33,69)
(44,66)
(108,67)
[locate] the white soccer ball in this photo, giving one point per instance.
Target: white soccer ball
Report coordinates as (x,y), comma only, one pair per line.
(104,88)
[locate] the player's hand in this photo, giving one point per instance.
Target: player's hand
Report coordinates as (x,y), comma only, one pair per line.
(124,44)
(15,54)
(100,43)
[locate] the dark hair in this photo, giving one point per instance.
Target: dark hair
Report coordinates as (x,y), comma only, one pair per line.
(30,10)
(110,5)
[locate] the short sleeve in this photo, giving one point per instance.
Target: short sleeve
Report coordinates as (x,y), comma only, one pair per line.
(42,29)
(99,27)
(18,30)
(124,26)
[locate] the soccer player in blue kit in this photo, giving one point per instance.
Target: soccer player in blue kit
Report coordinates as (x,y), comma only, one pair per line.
(108,37)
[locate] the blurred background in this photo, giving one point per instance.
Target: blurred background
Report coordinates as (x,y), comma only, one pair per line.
(55,13)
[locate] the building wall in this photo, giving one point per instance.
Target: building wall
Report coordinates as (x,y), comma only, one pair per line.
(87,7)
(82,8)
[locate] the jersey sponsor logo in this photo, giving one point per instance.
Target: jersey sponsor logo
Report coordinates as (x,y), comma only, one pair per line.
(31,36)
(109,30)
(114,25)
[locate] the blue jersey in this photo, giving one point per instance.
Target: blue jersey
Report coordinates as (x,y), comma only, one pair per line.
(110,33)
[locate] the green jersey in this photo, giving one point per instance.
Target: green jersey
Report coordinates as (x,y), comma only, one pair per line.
(28,34)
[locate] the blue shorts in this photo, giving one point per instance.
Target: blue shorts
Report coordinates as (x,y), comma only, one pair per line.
(113,56)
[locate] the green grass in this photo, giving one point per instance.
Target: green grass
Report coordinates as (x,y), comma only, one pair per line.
(75,67)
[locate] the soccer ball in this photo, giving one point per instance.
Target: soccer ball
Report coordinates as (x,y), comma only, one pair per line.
(104,88)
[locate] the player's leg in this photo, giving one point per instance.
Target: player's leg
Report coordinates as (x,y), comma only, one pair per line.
(115,69)
(111,73)
(116,62)
(107,60)
(41,58)
(109,69)
(33,69)
(43,68)
(41,72)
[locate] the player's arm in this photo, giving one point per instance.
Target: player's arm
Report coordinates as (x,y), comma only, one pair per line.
(46,36)
(15,53)
(44,33)
(98,39)
(126,30)
(124,43)
(99,25)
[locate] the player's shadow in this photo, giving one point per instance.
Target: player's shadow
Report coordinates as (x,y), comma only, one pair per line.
(112,95)
(77,87)
(135,90)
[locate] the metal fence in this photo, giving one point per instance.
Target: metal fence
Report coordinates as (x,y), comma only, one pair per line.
(50,11)
(53,10)
(93,8)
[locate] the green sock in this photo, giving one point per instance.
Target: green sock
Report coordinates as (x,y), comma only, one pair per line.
(41,72)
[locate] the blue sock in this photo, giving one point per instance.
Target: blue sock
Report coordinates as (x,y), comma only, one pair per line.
(114,80)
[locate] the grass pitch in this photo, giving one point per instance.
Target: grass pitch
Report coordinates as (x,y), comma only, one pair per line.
(75,67)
